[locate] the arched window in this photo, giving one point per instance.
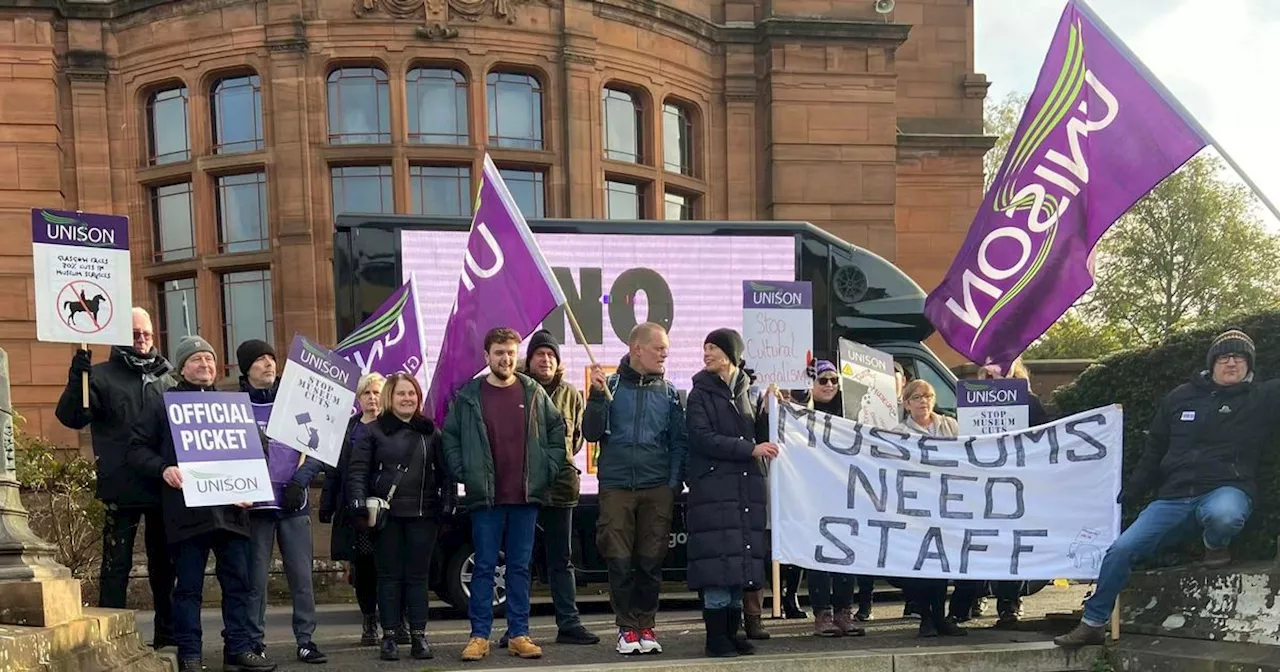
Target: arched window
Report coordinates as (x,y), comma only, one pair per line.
(677,138)
(515,110)
(359,106)
(623,126)
(168,141)
(437,106)
(237,114)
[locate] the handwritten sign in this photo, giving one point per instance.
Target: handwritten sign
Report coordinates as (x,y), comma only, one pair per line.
(868,385)
(777,328)
(992,406)
(316,394)
(215,439)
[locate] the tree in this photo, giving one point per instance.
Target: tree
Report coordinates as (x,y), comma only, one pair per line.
(1190,253)
(1074,336)
(1001,120)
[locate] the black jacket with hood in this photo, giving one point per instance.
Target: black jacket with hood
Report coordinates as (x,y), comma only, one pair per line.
(1205,436)
(118,390)
(151,451)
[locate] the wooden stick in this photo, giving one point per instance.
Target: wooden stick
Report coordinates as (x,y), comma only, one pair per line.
(84,381)
(777,592)
(1115,621)
(577,333)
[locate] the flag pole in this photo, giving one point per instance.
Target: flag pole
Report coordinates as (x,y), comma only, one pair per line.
(1173,102)
(577,333)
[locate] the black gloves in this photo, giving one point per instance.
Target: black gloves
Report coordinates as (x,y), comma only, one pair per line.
(81,363)
(326,516)
(294,497)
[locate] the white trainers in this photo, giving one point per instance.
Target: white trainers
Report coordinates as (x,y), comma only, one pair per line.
(649,641)
(629,642)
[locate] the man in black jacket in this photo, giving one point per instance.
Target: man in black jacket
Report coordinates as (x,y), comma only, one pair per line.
(194,532)
(118,389)
(1202,457)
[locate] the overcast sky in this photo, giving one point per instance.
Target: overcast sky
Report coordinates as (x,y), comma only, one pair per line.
(1221,58)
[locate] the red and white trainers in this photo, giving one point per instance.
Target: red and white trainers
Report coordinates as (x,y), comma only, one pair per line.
(649,641)
(629,642)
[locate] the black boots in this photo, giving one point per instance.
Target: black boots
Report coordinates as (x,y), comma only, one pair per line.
(420,650)
(389,651)
(719,643)
(369,634)
(736,633)
(790,592)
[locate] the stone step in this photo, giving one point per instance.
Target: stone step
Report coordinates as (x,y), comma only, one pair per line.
(101,640)
(1240,603)
(1141,653)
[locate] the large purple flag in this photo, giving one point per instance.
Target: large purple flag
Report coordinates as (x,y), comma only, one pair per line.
(1099,132)
(505,282)
(390,341)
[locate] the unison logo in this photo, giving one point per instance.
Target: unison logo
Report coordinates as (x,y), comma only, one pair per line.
(1035,198)
(318,360)
(769,295)
(70,229)
(208,482)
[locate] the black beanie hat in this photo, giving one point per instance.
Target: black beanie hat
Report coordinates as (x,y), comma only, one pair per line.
(542,339)
(730,342)
(250,351)
(1231,342)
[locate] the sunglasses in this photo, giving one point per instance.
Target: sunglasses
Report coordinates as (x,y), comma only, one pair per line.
(828,380)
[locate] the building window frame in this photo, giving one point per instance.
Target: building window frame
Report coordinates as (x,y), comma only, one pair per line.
(386,185)
(680,132)
(614,100)
(415,87)
(221,89)
(176,286)
(503,77)
(334,85)
(615,184)
(159,252)
(231,340)
(222,187)
(419,176)
(162,97)
(688,206)
(522,175)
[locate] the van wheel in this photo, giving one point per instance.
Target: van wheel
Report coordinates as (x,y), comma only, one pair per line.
(461,567)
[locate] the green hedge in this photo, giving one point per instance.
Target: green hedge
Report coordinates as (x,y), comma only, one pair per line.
(1139,379)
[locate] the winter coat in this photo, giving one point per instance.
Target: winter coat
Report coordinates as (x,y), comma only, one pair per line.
(389,445)
(335,501)
(151,451)
(118,390)
(641,432)
(568,400)
(943,425)
(284,464)
(470,458)
(725,516)
(1205,436)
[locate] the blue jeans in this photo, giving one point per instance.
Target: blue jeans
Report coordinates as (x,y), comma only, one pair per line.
(293,534)
(487,527)
(1221,513)
(232,566)
(722,598)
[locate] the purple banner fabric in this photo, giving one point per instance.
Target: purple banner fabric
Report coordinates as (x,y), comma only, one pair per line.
(391,340)
(505,282)
(212,426)
(1098,134)
(81,229)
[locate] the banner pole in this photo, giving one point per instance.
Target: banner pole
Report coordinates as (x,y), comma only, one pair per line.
(1115,621)
(577,333)
(84,381)
(777,593)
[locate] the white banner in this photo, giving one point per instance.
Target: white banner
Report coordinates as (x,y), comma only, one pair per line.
(1033,504)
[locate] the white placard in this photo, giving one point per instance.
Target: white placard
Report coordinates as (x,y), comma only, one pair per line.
(868,385)
(1035,504)
(314,401)
(777,330)
(83,286)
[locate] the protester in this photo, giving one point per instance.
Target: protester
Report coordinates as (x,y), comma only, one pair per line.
(830,593)
(350,540)
(119,388)
(928,595)
(642,440)
(399,460)
(505,442)
(286,519)
(1202,459)
(727,491)
(542,363)
(194,532)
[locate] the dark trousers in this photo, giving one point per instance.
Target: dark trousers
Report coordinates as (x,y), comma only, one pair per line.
(929,596)
(632,534)
(557,536)
(119,530)
(364,577)
(963,597)
(231,554)
(828,590)
(403,550)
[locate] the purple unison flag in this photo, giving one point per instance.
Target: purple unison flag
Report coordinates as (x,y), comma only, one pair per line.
(505,282)
(1099,132)
(390,341)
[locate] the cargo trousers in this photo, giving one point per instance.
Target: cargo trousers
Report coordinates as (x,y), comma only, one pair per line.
(632,534)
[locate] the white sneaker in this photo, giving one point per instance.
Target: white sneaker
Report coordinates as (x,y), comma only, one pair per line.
(629,642)
(649,641)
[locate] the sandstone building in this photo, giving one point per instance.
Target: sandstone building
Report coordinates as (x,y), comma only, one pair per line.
(231,131)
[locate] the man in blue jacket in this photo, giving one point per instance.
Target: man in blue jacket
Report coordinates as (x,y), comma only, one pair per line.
(287,519)
(642,439)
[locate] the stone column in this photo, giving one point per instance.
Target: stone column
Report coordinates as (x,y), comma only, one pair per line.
(34,589)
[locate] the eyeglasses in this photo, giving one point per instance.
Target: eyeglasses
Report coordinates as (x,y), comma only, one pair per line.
(1232,357)
(920,397)
(828,381)
(139,335)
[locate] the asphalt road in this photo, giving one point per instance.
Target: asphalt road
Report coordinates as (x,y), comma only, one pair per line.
(679,630)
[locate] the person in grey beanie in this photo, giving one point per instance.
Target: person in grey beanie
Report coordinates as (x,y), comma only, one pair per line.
(1201,458)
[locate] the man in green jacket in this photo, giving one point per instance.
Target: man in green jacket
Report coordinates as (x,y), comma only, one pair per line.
(504,441)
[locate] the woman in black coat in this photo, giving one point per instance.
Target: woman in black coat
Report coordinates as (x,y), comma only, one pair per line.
(350,539)
(727,548)
(400,460)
